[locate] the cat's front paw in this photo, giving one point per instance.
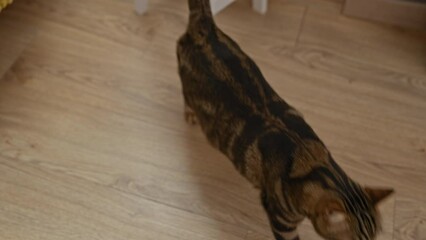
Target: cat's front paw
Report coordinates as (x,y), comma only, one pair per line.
(190,116)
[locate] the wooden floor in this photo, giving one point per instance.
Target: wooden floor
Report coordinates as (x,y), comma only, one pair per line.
(93,144)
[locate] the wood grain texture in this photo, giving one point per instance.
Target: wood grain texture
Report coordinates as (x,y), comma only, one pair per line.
(93,144)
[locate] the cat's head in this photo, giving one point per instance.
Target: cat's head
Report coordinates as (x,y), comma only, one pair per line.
(349,217)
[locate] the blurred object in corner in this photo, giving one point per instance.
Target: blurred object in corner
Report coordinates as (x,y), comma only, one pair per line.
(16,34)
(404,13)
(4,3)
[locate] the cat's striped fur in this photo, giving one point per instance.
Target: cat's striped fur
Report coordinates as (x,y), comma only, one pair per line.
(268,140)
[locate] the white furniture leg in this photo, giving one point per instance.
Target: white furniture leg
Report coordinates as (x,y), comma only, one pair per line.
(260,6)
(141,6)
(219,5)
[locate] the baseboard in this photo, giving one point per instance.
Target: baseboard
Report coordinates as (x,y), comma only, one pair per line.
(404,13)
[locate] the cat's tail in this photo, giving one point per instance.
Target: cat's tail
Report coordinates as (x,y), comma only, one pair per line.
(200,10)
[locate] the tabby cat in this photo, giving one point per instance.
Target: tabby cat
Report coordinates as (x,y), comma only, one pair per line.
(268,140)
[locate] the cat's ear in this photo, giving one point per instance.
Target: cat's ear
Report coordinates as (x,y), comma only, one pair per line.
(377,195)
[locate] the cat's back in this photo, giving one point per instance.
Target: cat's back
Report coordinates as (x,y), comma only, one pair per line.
(208,42)
(206,50)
